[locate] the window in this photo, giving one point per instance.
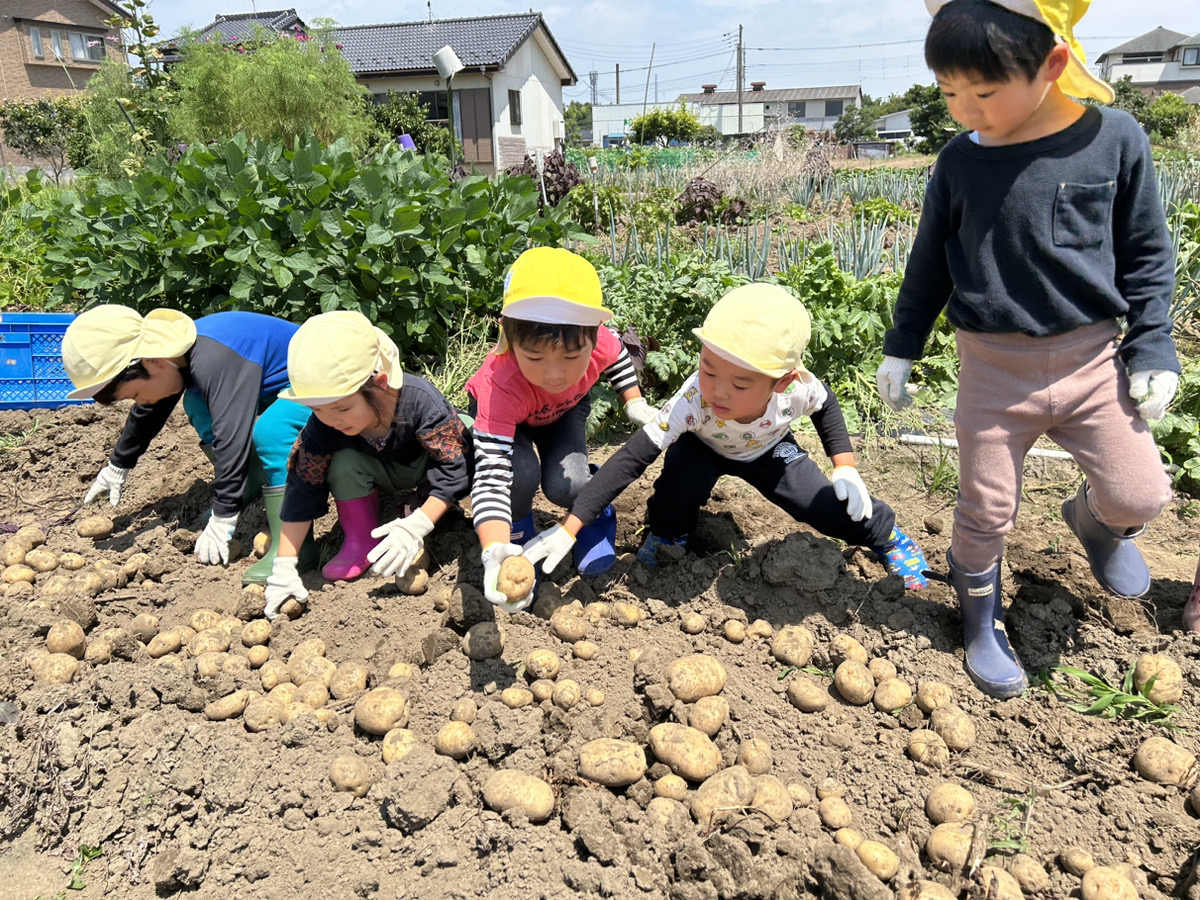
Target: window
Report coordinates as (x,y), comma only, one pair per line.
(86,47)
(56,43)
(833,108)
(1191,56)
(514,107)
(435,103)
(1141,58)
(35,38)
(796,109)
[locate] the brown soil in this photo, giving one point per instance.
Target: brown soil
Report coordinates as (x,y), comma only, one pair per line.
(124,758)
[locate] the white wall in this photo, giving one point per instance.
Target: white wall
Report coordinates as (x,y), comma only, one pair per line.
(530,72)
(1150,73)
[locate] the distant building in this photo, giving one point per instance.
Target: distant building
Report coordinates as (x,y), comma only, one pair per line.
(1156,62)
(895,126)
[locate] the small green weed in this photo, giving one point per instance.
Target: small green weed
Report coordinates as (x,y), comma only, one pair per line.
(86,855)
(1109,702)
(1011,826)
(807,670)
(941,475)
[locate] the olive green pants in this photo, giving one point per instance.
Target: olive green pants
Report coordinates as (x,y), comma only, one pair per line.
(353,475)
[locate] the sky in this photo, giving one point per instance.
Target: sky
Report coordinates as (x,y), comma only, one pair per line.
(789,43)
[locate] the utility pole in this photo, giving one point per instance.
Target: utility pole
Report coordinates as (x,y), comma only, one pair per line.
(618,84)
(646,92)
(592,77)
(740,62)
(655,87)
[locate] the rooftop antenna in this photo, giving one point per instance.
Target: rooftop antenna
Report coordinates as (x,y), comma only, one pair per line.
(429,6)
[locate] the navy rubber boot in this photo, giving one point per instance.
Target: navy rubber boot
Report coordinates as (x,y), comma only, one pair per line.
(1115,559)
(990,660)
(595,550)
(648,554)
(522,532)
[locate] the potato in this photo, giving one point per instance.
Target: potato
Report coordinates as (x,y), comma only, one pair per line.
(305,649)
(263,714)
(348,680)
(695,676)
(594,697)
(847,837)
(21,572)
(692,622)
(258,655)
(211,640)
(66,636)
(95,527)
(735,631)
(274,672)
(285,693)
(509,789)
(99,651)
(413,581)
(31,534)
(312,694)
(834,813)
(949,845)
(954,727)
(401,670)
(626,614)
(397,744)
(854,682)
(542,689)
(585,650)
(515,581)
(256,633)
(879,859)
(313,668)
(483,640)
(380,710)
(351,774)
(261,544)
(771,797)
(949,803)
(41,561)
(799,794)
(455,739)
(933,695)
(927,747)
(211,664)
(235,665)
(56,668)
(1164,762)
(793,645)
(326,717)
(881,669)
(1168,679)
(672,787)
(15,551)
(567,627)
(33,656)
(709,714)
(1103,883)
(542,664)
(145,627)
(111,576)
(72,562)
(687,752)
(1076,861)
(595,612)
(204,619)
(891,695)
(759,630)
(464,710)
(844,647)
(1028,872)
(1194,799)
(565,694)
(227,707)
(515,697)
(133,564)
(830,787)
(926,890)
(754,756)
(806,695)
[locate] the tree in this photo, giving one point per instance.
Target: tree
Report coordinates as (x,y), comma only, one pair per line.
(1129,98)
(856,123)
(931,119)
(406,114)
(664,125)
(576,117)
(1168,115)
(41,130)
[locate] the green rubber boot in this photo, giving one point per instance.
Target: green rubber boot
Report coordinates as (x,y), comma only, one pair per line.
(261,570)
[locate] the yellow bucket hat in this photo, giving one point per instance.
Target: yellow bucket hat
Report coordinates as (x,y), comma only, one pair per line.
(333,354)
(762,327)
(1061,17)
(553,285)
(101,343)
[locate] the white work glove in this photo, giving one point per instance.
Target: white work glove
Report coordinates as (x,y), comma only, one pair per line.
(550,545)
(1152,391)
(892,379)
(848,486)
(402,541)
(282,584)
(493,555)
(212,547)
(111,479)
(639,412)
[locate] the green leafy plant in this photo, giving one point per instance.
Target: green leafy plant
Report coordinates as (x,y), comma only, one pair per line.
(555,179)
(1010,829)
(1100,698)
(880,209)
(41,130)
(79,866)
(406,114)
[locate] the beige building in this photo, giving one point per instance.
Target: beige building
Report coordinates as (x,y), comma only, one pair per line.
(52,47)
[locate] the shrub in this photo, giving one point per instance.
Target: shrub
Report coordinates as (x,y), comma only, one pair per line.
(555,180)
(406,114)
(40,130)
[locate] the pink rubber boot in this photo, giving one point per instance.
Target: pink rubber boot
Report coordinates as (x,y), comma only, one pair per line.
(358,519)
(1191,612)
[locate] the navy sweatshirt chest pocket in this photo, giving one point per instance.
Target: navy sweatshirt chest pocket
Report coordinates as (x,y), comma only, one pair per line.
(1083,214)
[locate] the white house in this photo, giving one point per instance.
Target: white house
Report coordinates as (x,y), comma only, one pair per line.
(610,124)
(895,126)
(762,110)
(1158,61)
(507,99)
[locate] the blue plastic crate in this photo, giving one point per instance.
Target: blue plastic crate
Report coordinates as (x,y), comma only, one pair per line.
(31,369)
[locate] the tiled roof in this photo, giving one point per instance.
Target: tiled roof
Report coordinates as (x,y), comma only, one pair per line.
(783,95)
(242,26)
(486,42)
(1193,41)
(1160,39)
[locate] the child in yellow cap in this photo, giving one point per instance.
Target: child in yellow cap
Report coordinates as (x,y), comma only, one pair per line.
(734,416)
(228,368)
(1041,229)
(373,426)
(530,403)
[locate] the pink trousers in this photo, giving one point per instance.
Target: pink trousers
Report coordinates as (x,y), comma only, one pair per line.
(1073,388)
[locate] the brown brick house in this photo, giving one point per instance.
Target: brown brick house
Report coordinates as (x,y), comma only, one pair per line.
(52,47)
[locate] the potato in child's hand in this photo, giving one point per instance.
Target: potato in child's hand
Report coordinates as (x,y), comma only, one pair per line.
(516,578)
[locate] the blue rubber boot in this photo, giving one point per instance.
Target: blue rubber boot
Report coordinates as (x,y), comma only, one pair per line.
(1115,559)
(903,557)
(990,659)
(648,554)
(595,550)
(522,532)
